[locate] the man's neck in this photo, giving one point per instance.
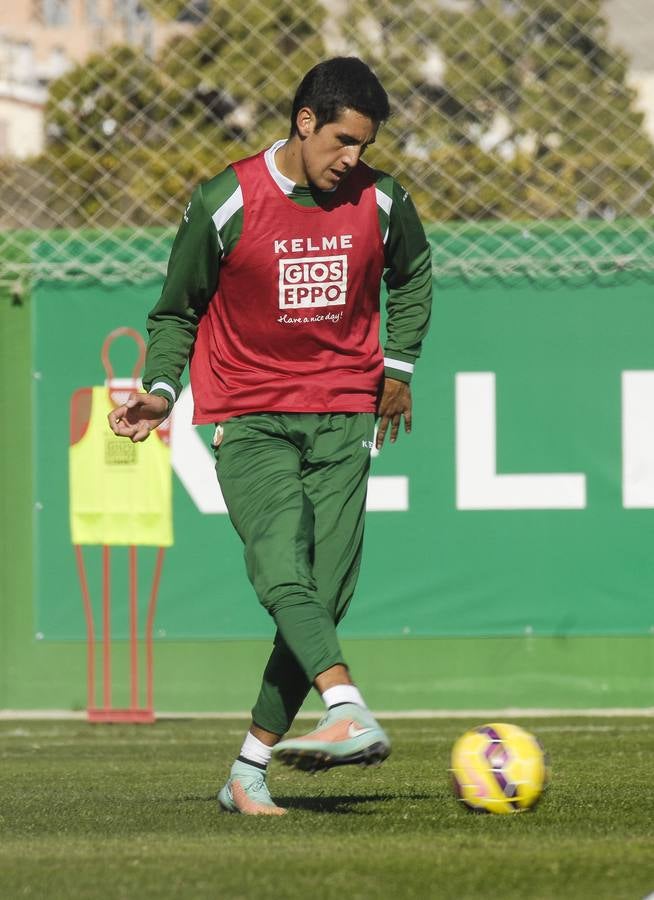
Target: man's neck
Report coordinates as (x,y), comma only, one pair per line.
(288,160)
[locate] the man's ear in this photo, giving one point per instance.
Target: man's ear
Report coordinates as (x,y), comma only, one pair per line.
(305,122)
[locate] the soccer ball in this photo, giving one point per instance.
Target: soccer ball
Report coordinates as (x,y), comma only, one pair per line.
(498,768)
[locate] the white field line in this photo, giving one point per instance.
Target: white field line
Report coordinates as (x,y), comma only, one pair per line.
(49,739)
(24,715)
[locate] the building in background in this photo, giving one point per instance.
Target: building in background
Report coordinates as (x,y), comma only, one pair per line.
(41,39)
(631,28)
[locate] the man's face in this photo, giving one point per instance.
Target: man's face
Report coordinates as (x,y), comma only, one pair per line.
(330,153)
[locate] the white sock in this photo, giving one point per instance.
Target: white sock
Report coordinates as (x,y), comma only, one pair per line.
(255,751)
(343,693)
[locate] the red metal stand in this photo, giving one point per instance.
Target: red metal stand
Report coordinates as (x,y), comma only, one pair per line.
(107,713)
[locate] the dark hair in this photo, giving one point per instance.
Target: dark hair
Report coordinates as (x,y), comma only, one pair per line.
(344,82)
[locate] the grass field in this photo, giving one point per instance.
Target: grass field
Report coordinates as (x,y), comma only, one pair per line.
(129,812)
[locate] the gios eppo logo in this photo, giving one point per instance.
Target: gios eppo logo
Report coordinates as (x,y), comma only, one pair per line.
(312,281)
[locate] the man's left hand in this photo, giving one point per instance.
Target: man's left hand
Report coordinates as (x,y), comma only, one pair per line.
(395,402)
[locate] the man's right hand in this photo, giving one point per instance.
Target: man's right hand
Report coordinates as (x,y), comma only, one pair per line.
(138,416)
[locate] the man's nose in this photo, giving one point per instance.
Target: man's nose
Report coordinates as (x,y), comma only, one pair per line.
(351,156)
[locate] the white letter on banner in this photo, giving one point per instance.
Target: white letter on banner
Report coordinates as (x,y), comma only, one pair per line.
(194,465)
(192,460)
(478,486)
(638,440)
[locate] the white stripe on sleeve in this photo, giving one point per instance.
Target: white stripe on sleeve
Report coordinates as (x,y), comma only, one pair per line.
(384,201)
(398,364)
(162,386)
(225,212)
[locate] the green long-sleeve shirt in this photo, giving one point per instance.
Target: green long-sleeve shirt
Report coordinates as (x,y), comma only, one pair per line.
(210,229)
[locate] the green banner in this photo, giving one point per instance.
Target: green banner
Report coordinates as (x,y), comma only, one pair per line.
(522,503)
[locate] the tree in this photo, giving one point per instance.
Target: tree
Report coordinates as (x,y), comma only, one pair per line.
(129,137)
(500,109)
(507,110)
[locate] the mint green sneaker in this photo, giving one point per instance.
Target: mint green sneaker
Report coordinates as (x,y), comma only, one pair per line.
(246,792)
(346,735)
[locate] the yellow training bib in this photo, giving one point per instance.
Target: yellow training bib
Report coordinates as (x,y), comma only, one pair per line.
(120,492)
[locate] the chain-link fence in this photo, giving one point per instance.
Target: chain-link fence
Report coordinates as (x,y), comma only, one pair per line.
(514,128)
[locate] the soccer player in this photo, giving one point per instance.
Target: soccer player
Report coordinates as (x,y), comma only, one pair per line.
(273,292)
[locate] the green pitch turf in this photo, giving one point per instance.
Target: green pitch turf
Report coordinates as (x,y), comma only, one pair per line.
(129,812)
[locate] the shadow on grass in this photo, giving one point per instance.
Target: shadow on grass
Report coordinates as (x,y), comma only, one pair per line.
(343,803)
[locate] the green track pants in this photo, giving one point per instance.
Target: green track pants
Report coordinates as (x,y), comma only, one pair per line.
(295,488)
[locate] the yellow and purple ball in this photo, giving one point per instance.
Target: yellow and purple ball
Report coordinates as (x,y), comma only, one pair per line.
(498,768)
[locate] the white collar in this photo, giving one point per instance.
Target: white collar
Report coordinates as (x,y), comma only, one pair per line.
(284,183)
